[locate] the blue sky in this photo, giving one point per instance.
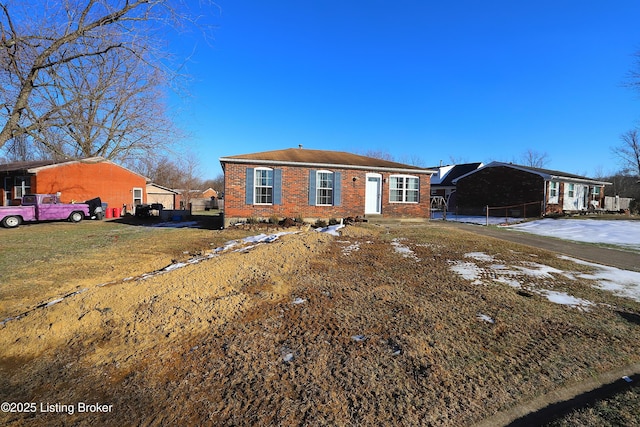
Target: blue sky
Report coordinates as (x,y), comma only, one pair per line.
(421,80)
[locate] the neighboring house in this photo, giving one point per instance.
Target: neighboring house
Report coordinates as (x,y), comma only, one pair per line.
(442,186)
(544,191)
(317,184)
(75,180)
(209,193)
(167,197)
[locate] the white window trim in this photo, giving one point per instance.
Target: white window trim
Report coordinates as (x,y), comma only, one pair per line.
(318,188)
(141,198)
(553,199)
(255,186)
(405,190)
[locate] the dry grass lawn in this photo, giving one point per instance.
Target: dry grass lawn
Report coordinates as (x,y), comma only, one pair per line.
(308,330)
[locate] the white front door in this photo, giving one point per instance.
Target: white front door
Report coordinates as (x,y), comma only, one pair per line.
(373,194)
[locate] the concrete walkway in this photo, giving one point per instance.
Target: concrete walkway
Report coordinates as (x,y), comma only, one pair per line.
(585,251)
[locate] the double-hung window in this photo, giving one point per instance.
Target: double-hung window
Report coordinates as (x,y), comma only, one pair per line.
(263,186)
(404,189)
(572,190)
(324,188)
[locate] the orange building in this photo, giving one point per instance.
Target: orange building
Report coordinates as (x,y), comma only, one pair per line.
(75,180)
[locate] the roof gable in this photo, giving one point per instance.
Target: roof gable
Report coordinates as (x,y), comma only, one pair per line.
(38,165)
(160,187)
(321,158)
(546,174)
(451,172)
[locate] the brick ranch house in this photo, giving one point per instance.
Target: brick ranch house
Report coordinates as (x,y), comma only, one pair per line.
(549,192)
(76,180)
(318,184)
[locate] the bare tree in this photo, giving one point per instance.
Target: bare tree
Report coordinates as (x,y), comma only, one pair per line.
(633,76)
(629,152)
(82,77)
(216,183)
(125,120)
(456,160)
(178,173)
(534,159)
(19,150)
(413,159)
(379,154)
(191,181)
(161,171)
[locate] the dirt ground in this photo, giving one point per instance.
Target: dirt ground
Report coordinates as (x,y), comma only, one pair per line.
(311,329)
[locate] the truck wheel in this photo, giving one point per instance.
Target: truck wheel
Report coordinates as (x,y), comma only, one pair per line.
(76,216)
(11,221)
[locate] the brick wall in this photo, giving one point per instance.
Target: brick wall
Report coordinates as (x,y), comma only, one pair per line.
(295,196)
(554,208)
(498,186)
(84,181)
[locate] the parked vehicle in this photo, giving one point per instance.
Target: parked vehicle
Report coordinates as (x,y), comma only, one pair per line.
(47,207)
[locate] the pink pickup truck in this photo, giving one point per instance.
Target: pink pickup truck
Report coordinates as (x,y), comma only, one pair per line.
(42,207)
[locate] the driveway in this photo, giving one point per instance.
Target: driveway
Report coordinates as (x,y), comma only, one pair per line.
(586,251)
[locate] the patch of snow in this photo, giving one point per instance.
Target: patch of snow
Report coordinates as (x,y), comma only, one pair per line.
(614,232)
(480,256)
(351,248)
(288,357)
(485,318)
(55,301)
(403,249)
(508,281)
(623,283)
(299,300)
(358,338)
(468,270)
(175,266)
(266,238)
(564,298)
(332,229)
(538,270)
